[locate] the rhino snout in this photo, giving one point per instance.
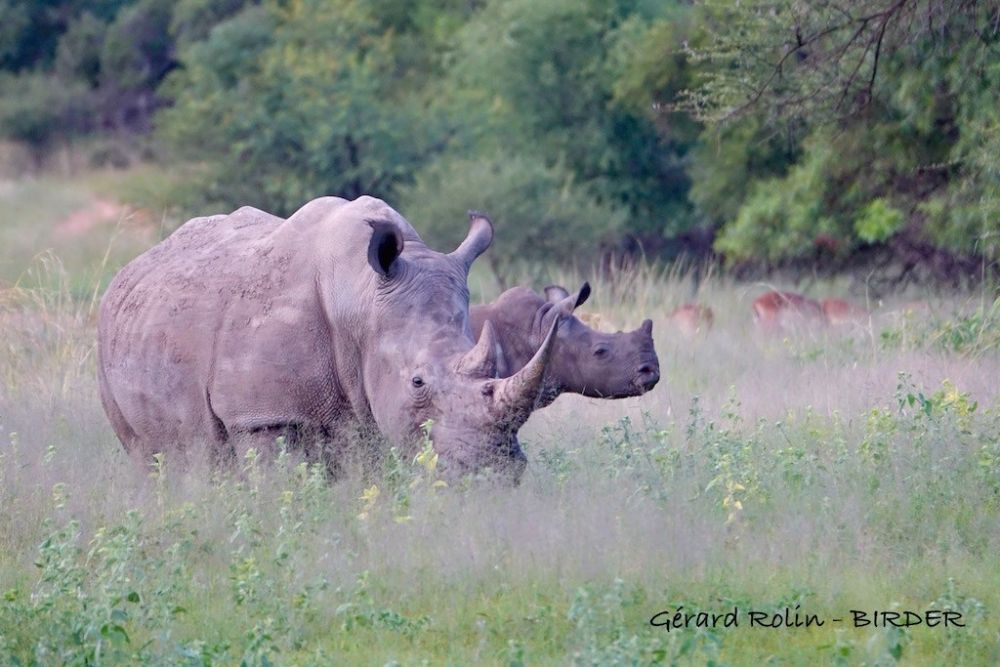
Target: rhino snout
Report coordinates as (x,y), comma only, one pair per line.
(647,375)
(517,463)
(506,461)
(510,463)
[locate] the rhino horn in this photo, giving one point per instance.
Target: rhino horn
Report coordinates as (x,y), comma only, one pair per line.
(479,238)
(515,396)
(481,360)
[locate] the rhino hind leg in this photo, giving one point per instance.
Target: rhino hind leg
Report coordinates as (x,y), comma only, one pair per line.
(123,429)
(126,434)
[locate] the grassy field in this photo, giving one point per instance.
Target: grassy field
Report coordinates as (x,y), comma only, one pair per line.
(817,473)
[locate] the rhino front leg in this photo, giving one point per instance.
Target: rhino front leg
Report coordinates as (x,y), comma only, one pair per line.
(266,441)
(315,445)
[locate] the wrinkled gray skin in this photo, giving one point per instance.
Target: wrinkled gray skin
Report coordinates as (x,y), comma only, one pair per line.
(584,361)
(242,327)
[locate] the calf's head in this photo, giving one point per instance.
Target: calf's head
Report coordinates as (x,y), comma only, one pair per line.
(594,363)
(424,365)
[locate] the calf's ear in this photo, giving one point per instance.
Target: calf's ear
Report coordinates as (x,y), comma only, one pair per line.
(571,302)
(384,247)
(555,293)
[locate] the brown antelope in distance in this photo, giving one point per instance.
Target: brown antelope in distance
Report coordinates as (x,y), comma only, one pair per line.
(777,311)
(692,318)
(839,312)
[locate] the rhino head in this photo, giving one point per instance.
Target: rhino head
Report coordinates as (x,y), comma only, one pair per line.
(597,364)
(585,361)
(424,363)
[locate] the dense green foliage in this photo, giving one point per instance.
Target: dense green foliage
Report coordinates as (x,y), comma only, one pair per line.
(74,68)
(892,108)
(788,131)
(288,103)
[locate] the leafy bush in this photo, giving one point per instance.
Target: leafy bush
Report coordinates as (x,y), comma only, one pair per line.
(911,128)
(785,217)
(79,54)
(877,222)
(42,110)
(284,104)
(137,51)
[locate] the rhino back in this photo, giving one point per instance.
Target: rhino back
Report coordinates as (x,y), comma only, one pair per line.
(247,322)
(166,314)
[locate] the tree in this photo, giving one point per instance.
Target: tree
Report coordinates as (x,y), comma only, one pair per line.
(193,20)
(884,106)
(43,112)
(75,67)
(137,54)
(78,56)
(285,103)
(30,31)
(558,79)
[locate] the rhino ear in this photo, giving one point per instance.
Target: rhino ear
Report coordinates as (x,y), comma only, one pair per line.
(571,302)
(582,295)
(555,293)
(385,246)
(476,242)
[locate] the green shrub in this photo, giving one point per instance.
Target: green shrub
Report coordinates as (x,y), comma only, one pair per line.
(42,110)
(878,221)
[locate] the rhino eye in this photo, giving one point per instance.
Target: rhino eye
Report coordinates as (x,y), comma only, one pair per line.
(417,381)
(601,352)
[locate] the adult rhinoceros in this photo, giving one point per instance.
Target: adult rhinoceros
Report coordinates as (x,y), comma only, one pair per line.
(585,361)
(242,327)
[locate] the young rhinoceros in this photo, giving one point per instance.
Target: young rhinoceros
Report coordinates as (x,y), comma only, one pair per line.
(242,327)
(584,361)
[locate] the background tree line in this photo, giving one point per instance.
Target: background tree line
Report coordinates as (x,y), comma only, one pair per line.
(821,135)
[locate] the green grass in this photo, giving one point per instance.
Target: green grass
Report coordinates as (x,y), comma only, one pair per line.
(855,469)
(40,246)
(30,211)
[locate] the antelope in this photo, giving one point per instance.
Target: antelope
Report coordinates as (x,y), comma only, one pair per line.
(839,312)
(775,311)
(692,318)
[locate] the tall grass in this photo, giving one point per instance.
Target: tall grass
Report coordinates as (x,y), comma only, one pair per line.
(844,470)
(37,226)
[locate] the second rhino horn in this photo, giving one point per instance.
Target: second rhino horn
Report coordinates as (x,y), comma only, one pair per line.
(480,361)
(515,396)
